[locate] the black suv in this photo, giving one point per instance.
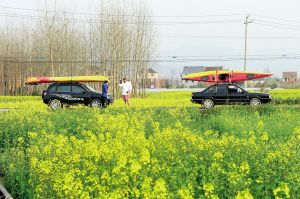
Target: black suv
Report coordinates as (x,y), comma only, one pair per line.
(229,94)
(59,94)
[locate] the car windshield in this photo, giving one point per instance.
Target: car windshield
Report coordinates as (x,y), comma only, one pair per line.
(90,88)
(241,89)
(210,89)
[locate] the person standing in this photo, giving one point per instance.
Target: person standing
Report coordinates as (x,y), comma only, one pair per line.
(104,93)
(126,88)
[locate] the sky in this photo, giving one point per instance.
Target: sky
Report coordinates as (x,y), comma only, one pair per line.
(211,33)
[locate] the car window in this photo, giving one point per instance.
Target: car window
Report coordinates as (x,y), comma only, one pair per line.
(211,89)
(90,88)
(221,89)
(234,89)
(64,88)
(76,89)
(52,88)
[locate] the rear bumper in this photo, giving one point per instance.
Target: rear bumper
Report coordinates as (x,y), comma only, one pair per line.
(110,101)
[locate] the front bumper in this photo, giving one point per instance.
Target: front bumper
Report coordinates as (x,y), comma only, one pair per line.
(197,101)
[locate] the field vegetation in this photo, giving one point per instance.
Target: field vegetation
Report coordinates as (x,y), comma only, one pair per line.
(162,146)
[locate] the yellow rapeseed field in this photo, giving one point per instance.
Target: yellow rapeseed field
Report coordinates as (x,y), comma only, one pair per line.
(162,146)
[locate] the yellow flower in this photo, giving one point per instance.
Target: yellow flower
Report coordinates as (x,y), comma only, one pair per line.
(218,155)
(282,191)
(145,156)
(245,168)
(233,178)
(20,140)
(264,136)
(260,126)
(160,190)
(208,189)
(32,135)
(186,192)
(135,167)
(245,194)
(297,133)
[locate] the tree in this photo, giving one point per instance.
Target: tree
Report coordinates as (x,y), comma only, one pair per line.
(117,42)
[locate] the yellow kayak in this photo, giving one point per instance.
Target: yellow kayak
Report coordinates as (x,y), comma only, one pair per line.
(39,80)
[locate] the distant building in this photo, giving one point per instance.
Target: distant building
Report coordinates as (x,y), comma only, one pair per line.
(196,69)
(192,69)
(289,77)
(210,68)
(189,70)
(152,78)
(163,83)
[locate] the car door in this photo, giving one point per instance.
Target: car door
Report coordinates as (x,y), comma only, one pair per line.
(64,92)
(221,94)
(233,95)
(236,94)
(244,95)
(79,94)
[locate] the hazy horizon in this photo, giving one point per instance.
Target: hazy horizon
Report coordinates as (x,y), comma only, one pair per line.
(196,33)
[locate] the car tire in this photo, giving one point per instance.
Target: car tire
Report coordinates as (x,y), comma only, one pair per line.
(55,104)
(255,101)
(208,103)
(96,103)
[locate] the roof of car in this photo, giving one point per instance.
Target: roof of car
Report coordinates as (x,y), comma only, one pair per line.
(220,84)
(66,83)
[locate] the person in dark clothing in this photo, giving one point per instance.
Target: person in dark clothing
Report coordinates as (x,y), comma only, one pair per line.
(104,93)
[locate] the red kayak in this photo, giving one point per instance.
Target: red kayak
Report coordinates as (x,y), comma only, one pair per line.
(224,76)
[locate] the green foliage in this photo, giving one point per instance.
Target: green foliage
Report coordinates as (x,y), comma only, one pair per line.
(163,146)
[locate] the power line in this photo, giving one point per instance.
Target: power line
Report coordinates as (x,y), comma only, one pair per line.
(226,37)
(159,56)
(279,24)
(97,14)
(276,26)
(149,16)
(277,18)
(239,55)
(149,60)
(114,21)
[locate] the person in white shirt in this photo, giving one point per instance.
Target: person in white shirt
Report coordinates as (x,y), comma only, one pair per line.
(126,88)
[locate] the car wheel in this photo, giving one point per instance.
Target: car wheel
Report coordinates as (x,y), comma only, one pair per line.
(208,103)
(55,104)
(96,103)
(255,102)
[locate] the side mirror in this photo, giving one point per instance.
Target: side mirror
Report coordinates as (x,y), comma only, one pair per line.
(82,91)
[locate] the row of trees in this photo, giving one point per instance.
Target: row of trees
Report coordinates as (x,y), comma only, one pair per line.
(117,42)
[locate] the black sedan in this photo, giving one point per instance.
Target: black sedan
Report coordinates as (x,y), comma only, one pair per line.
(229,94)
(59,94)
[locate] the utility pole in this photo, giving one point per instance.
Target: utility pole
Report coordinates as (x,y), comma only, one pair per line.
(246,34)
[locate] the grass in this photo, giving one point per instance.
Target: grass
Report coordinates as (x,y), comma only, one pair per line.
(162,146)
